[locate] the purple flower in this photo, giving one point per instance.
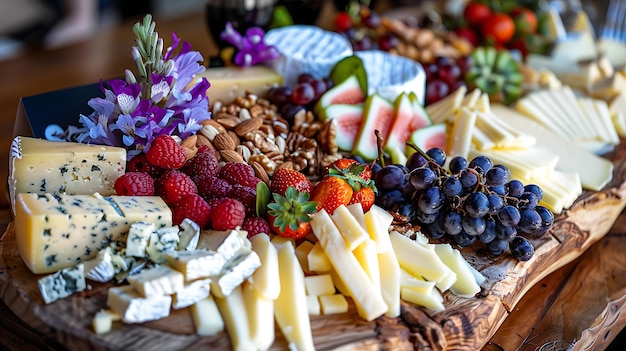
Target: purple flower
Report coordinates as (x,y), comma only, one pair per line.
(128,126)
(251,49)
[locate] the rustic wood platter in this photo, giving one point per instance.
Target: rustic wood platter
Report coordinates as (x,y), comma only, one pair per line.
(466,324)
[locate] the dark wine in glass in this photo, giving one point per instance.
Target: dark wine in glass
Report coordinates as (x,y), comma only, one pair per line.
(242,13)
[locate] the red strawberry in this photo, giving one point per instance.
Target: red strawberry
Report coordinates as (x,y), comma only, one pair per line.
(194,207)
(134,183)
(364,196)
(330,193)
(166,152)
(345,164)
(227,214)
(173,185)
(239,173)
(283,178)
(255,225)
(289,215)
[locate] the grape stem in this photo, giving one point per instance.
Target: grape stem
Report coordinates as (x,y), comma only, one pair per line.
(379,146)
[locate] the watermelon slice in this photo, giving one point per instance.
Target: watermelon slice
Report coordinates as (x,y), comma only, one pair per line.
(428,137)
(409,116)
(378,115)
(347,120)
(347,92)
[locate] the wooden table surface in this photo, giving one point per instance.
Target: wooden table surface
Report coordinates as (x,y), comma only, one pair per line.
(579,303)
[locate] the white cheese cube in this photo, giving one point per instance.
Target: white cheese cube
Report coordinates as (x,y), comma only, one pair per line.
(333,304)
(157,281)
(192,293)
(134,308)
(318,285)
(313,305)
(206,317)
(194,264)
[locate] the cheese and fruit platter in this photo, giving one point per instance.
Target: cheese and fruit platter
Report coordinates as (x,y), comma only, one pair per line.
(381,185)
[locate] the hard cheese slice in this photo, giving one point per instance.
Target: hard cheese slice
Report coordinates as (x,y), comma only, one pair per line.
(42,166)
(55,232)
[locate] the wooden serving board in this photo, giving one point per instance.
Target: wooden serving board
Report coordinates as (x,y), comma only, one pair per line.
(466,324)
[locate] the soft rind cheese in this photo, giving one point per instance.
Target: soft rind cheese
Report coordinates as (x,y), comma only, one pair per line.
(42,166)
(228,83)
(55,232)
(62,284)
(156,281)
(134,308)
(306,49)
(390,75)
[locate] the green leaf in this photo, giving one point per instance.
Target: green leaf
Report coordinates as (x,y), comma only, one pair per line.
(263,197)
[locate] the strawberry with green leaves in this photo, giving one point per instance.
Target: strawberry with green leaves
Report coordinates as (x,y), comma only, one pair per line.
(290,215)
(344,186)
(283,178)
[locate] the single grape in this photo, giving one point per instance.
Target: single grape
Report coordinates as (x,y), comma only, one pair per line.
(431,70)
(422,178)
(305,78)
(280,96)
(364,43)
(481,163)
(402,167)
(528,200)
(504,232)
(387,42)
(496,176)
(521,248)
(473,225)
(497,247)
(463,239)
(389,199)
(452,187)
(438,155)
(436,90)
(468,178)
(489,234)
(375,168)
(319,87)
(547,219)
(416,160)
(435,230)
(495,204)
(509,216)
(407,210)
(431,200)
(329,82)
(498,189)
(457,164)
(535,189)
(476,204)
(303,94)
(507,172)
(450,73)
(289,110)
(408,189)
(452,223)
(464,63)
(426,218)
(390,177)
(530,221)
(371,19)
(515,188)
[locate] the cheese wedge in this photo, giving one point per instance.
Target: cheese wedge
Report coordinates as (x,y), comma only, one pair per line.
(233,311)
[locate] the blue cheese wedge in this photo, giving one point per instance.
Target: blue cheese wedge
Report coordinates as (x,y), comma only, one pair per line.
(235,271)
(139,238)
(101,268)
(42,166)
(189,235)
(390,75)
(62,284)
(134,308)
(162,241)
(58,231)
(306,49)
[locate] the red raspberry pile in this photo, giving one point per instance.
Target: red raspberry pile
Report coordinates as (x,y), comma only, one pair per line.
(215,196)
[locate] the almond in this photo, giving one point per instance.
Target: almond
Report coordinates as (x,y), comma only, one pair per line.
(190,152)
(202,140)
(231,156)
(260,172)
(190,141)
(249,125)
(223,141)
(234,137)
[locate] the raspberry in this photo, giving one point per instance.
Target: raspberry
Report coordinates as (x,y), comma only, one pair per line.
(255,225)
(194,207)
(227,214)
(140,163)
(173,185)
(203,163)
(246,195)
(166,152)
(212,187)
(134,183)
(239,173)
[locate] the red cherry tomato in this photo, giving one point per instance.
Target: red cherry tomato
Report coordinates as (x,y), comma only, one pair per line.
(525,20)
(498,28)
(343,22)
(476,13)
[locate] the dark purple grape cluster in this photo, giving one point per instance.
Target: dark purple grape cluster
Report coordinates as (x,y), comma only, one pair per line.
(444,76)
(474,201)
(304,95)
